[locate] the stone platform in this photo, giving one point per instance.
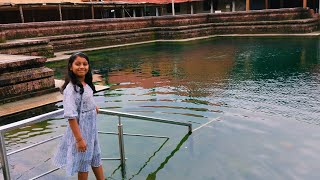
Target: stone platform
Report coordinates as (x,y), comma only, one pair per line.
(30,47)
(21,106)
(23,77)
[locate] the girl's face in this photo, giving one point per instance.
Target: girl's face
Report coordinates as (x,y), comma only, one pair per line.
(80,67)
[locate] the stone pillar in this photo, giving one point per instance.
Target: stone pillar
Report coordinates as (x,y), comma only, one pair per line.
(21,13)
(123,13)
(172,4)
(191,7)
(134,13)
(157,11)
(233,6)
(281,3)
(60,12)
(92,11)
(304,3)
(211,6)
(267,4)
(142,12)
(247,5)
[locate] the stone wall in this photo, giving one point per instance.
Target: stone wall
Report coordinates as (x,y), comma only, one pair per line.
(293,26)
(78,41)
(77,34)
(23,77)
(53,28)
(262,15)
(40,29)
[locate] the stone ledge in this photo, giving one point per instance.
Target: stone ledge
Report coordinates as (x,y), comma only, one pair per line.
(247,24)
(101,33)
(23,42)
(26,87)
(96,39)
(10,63)
(45,50)
(96,34)
(102,40)
(36,101)
(25,75)
(29,95)
(264,15)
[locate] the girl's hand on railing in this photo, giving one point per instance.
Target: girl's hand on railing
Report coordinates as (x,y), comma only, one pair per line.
(82,145)
(97,109)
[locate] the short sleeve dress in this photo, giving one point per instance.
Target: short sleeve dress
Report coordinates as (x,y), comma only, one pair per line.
(84,111)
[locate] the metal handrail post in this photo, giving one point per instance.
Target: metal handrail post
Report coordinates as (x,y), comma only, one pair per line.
(4,160)
(190,129)
(121,143)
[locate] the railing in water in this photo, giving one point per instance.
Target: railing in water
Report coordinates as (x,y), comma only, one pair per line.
(43,117)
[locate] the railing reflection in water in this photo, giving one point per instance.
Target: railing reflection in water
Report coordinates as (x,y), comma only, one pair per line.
(120,133)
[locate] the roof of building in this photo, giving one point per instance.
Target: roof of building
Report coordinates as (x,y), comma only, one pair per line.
(10,2)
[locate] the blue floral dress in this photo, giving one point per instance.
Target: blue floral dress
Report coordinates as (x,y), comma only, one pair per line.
(67,154)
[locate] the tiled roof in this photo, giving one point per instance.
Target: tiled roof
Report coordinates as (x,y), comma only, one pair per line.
(153,1)
(93,1)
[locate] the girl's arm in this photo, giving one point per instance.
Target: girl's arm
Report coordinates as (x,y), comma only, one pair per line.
(81,143)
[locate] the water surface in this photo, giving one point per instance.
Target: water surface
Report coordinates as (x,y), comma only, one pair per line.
(260,95)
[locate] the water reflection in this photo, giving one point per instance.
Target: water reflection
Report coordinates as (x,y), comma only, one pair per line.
(258,73)
(262,88)
(153,175)
(21,137)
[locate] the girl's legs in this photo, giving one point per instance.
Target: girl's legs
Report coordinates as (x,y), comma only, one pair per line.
(98,172)
(82,175)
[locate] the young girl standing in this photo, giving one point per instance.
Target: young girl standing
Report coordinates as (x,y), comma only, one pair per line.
(79,148)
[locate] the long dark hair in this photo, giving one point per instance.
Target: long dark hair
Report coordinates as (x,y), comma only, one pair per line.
(73,78)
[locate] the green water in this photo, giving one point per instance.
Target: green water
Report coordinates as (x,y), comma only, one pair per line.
(260,95)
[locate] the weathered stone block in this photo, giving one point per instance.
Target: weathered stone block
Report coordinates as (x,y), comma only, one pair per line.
(2,37)
(24,76)
(261,15)
(28,47)
(26,87)
(11,63)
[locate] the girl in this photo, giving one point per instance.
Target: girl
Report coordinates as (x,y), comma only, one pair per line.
(79,148)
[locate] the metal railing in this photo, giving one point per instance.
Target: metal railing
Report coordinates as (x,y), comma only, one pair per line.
(43,117)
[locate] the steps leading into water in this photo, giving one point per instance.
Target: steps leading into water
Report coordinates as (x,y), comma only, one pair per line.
(83,34)
(24,76)
(35,102)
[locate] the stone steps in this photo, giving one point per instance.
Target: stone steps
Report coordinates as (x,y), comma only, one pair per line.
(23,77)
(31,47)
(60,36)
(26,75)
(107,38)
